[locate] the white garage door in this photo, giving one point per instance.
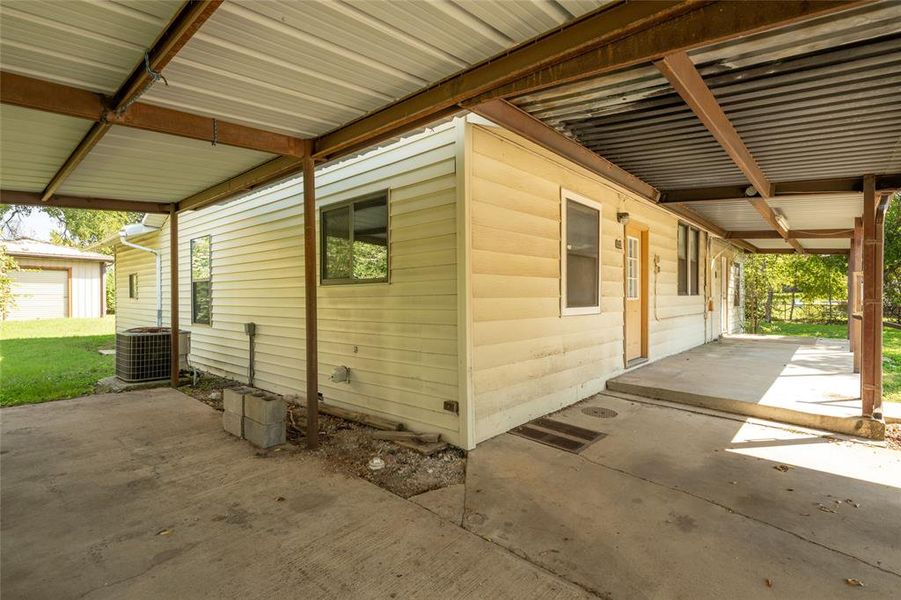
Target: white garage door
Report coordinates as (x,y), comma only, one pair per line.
(40,295)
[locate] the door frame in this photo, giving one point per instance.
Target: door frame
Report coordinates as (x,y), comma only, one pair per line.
(643,281)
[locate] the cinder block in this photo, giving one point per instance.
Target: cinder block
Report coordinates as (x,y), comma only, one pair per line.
(233,423)
(265,409)
(264,436)
(233,401)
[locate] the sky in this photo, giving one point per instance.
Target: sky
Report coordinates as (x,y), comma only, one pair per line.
(37,226)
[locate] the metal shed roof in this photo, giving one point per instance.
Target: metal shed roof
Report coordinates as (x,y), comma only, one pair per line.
(811,87)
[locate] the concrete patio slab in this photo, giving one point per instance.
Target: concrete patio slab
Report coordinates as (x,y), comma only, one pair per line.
(445,502)
(142,495)
(677,504)
(803,381)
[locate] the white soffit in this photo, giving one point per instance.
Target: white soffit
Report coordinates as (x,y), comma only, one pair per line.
(731,215)
(305,68)
(132,164)
(34,145)
(772,244)
(820,211)
(843,243)
(91,45)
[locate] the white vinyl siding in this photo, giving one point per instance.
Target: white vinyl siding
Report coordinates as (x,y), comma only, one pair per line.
(399,338)
(526,359)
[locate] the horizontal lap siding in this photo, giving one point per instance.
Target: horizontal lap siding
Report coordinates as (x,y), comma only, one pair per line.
(527,360)
(398,338)
(140,311)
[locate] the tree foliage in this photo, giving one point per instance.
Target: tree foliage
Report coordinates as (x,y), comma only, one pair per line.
(7,266)
(82,227)
(892,286)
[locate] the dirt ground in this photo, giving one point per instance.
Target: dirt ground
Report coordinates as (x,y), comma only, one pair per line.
(347,448)
(893,436)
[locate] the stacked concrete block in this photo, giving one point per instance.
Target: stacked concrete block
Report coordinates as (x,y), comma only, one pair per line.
(255,416)
(264,419)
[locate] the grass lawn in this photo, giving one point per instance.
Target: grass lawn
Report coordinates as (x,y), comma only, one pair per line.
(53,359)
(891,349)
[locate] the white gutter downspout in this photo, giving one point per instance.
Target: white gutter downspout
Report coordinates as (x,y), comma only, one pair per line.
(139,229)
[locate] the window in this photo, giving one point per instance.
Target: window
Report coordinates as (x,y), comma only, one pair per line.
(633,255)
(581,256)
(736,284)
(355,241)
(201,286)
(133,285)
(688,242)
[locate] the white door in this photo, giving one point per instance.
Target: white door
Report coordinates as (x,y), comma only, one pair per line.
(39,294)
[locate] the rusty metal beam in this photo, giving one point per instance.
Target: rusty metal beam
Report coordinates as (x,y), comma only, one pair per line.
(688,83)
(795,234)
(176,34)
(310,292)
(871,325)
(806,251)
(174,363)
(522,123)
(61,99)
(247,181)
(34,199)
(615,37)
(857,258)
(842,185)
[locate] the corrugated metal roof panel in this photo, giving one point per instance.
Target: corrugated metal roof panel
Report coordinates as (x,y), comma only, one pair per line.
(34,145)
(132,164)
(844,243)
(819,211)
(731,215)
(92,45)
(305,68)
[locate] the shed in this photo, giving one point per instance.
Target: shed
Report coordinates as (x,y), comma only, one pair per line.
(56,282)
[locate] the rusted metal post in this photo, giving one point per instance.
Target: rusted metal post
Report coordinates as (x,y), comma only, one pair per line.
(856,244)
(871,338)
(879,281)
(173,294)
(310,322)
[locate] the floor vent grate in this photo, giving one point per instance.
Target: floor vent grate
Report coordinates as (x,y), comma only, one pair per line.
(557,434)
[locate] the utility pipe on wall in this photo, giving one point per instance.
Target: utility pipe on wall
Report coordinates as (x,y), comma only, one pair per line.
(139,230)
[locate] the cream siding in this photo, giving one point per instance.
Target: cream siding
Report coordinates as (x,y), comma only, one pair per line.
(398,338)
(527,360)
(85,295)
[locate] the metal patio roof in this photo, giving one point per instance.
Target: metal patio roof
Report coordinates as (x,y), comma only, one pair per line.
(248,88)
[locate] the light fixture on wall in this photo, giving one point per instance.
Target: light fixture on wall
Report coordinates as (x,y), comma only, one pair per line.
(622,218)
(780,219)
(750,191)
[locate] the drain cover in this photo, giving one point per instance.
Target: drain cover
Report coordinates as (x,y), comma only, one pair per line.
(599,411)
(557,434)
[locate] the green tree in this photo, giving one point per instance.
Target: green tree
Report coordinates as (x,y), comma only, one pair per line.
(82,227)
(7,265)
(892,286)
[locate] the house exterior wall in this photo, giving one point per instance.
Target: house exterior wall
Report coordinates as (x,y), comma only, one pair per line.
(399,338)
(527,359)
(86,292)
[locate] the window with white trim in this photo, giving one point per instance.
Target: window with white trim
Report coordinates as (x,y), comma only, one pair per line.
(633,268)
(580,255)
(688,242)
(201,280)
(133,285)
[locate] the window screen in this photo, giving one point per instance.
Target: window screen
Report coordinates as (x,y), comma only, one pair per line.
(582,255)
(355,241)
(133,285)
(682,246)
(201,280)
(694,244)
(736,285)
(632,267)
(688,243)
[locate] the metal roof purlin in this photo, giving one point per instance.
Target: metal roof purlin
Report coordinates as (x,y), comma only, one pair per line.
(170,41)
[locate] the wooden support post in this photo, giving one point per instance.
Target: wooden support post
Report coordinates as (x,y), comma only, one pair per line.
(857,256)
(173,294)
(871,337)
(310,322)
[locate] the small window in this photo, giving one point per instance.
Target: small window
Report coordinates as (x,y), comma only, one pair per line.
(736,284)
(581,256)
(354,245)
(688,242)
(633,273)
(201,284)
(133,285)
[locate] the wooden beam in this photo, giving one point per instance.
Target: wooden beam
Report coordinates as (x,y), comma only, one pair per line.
(34,199)
(61,99)
(522,123)
(795,234)
(615,37)
(688,83)
(806,251)
(171,39)
(841,185)
(766,211)
(174,366)
(310,293)
(245,182)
